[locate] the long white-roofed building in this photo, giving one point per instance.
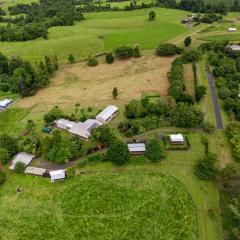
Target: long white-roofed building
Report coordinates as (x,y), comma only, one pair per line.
(234,47)
(64,124)
(137,148)
(107,114)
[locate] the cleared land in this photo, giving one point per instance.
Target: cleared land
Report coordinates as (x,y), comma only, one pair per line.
(222,37)
(189,79)
(101,32)
(90,207)
(92,86)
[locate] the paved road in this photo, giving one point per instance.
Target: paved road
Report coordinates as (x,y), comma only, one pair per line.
(216,107)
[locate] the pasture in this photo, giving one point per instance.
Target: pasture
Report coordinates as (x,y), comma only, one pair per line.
(155,206)
(92,86)
(221,37)
(102,32)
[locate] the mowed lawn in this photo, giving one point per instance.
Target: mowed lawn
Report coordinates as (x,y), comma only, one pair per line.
(137,204)
(221,37)
(102,32)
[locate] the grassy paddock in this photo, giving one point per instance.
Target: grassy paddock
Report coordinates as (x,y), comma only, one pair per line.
(155,206)
(221,37)
(102,32)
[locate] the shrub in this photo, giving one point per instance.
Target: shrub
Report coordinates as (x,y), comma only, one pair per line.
(19,167)
(224,92)
(190,56)
(9,143)
(124,52)
(2,177)
(205,143)
(53,114)
(4,156)
(114,92)
(187,41)
(134,109)
(167,49)
(136,52)
(71,58)
(109,58)
(154,152)
(92,62)
(118,153)
(96,158)
(102,134)
(205,168)
(151,16)
(208,127)
(200,91)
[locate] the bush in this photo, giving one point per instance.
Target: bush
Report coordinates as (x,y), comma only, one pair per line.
(200,91)
(190,56)
(118,153)
(92,62)
(124,52)
(9,143)
(224,92)
(205,168)
(71,58)
(187,41)
(136,52)
(167,49)
(53,114)
(2,177)
(208,127)
(154,152)
(96,158)
(4,156)
(19,167)
(109,58)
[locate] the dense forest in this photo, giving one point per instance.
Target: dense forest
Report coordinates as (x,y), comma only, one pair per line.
(19,76)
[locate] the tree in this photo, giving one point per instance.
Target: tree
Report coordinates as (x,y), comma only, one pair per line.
(124,52)
(102,134)
(9,143)
(115,92)
(109,58)
(2,177)
(200,91)
(92,62)
(118,153)
(134,109)
(190,55)
(53,114)
(71,58)
(205,168)
(19,167)
(151,16)
(187,41)
(154,152)
(166,49)
(3,64)
(4,156)
(136,52)
(224,92)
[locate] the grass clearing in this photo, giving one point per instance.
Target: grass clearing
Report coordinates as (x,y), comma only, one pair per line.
(221,37)
(101,32)
(189,79)
(92,86)
(155,206)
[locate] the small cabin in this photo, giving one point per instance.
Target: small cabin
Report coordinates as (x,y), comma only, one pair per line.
(107,114)
(176,139)
(57,175)
(137,148)
(232,29)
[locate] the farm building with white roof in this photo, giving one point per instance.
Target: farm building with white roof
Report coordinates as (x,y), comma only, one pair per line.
(57,175)
(84,129)
(232,29)
(107,114)
(35,171)
(22,157)
(176,138)
(136,148)
(64,124)
(234,47)
(4,103)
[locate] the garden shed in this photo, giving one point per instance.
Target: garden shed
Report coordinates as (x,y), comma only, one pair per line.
(35,171)
(22,157)
(234,47)
(137,148)
(232,29)
(176,138)
(57,175)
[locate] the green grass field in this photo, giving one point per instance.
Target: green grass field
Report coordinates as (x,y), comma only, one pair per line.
(102,32)
(221,37)
(128,205)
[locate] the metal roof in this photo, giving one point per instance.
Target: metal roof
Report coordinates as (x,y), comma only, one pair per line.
(5,102)
(177,137)
(23,157)
(35,171)
(136,147)
(57,174)
(107,112)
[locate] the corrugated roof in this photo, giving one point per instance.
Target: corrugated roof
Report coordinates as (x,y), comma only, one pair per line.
(23,157)
(107,112)
(177,137)
(5,102)
(35,171)
(65,122)
(57,174)
(136,147)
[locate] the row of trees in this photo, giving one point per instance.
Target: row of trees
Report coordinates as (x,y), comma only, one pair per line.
(226,71)
(19,76)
